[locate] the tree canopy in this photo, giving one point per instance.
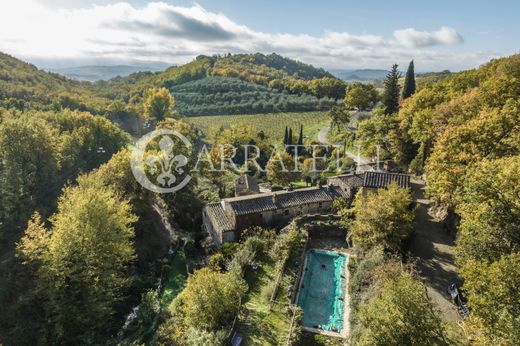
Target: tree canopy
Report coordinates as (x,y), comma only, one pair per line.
(401,314)
(383,217)
(280,168)
(493,291)
(159,104)
(360,96)
(81,261)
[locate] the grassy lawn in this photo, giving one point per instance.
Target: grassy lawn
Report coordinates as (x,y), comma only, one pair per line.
(311,339)
(259,325)
(300,184)
(174,279)
(273,124)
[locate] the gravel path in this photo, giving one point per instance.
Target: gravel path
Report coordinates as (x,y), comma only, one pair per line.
(434,251)
(322,138)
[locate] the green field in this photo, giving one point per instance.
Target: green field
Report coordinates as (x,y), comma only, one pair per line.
(273,124)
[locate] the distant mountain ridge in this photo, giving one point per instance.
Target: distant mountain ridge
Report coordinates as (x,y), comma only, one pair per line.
(92,73)
(359,74)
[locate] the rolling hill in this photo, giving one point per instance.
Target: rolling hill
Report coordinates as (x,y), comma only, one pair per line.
(23,86)
(225,95)
(229,84)
(272,71)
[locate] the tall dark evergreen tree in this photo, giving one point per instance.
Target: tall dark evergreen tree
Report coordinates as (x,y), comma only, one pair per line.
(286,136)
(288,148)
(391,93)
(300,139)
(409,82)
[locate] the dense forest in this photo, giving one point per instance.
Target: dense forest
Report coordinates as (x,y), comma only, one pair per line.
(463,134)
(23,87)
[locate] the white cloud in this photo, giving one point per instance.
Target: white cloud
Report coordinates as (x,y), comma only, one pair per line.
(161,31)
(413,38)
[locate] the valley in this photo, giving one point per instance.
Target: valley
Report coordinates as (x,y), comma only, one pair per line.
(133,213)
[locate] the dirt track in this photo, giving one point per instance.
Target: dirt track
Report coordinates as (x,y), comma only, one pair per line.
(434,252)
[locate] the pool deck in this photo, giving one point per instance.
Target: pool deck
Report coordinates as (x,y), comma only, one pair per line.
(346,306)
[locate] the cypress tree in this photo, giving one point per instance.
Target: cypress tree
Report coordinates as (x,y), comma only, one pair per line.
(409,82)
(286,136)
(391,93)
(289,149)
(300,139)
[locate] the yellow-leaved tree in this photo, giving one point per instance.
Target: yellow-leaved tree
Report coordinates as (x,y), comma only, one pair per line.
(159,104)
(280,168)
(80,262)
(383,217)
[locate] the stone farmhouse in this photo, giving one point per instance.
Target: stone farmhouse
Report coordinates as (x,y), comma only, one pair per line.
(226,219)
(246,185)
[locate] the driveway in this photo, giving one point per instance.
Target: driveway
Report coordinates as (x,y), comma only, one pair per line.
(434,251)
(322,138)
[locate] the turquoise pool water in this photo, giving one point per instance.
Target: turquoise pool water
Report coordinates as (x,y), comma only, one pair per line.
(322,291)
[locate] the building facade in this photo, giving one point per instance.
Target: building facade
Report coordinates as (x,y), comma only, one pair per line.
(225,220)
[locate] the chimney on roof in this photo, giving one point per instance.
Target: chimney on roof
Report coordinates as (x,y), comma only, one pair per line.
(274,197)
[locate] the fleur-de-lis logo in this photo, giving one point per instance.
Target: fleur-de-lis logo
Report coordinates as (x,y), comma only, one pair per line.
(166,163)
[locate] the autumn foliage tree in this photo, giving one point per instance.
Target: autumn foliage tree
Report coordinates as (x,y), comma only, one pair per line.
(383,217)
(401,314)
(81,261)
(360,96)
(159,104)
(208,303)
(493,291)
(281,168)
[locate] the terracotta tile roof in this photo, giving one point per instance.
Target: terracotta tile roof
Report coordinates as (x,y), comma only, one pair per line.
(383,179)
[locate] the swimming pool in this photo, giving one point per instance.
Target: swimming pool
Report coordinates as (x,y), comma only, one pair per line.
(322,291)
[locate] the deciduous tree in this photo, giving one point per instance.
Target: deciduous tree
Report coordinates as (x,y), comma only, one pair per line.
(159,104)
(493,291)
(383,217)
(401,314)
(81,261)
(360,96)
(280,168)
(210,300)
(490,211)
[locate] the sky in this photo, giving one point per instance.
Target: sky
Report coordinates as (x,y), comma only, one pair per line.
(438,35)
